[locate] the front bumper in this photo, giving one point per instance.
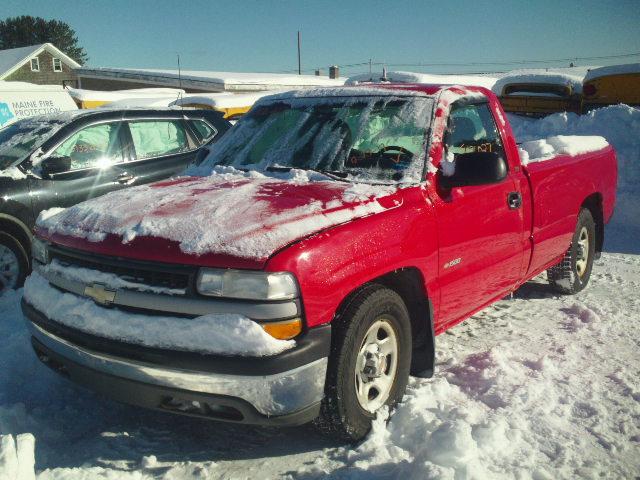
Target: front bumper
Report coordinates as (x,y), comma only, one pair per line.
(284,389)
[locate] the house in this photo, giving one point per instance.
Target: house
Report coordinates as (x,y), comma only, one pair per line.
(40,64)
(196,81)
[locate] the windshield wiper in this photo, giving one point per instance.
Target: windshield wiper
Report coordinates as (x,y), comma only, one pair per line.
(335,174)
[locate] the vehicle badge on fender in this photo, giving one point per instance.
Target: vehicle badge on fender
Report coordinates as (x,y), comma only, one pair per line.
(100,294)
(452,263)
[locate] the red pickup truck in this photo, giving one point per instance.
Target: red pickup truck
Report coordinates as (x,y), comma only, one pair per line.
(302,270)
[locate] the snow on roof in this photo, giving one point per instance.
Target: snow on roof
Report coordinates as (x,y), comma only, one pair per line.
(112,96)
(28,87)
(219,80)
(224,99)
(372,90)
(559,76)
(612,70)
(13,58)
(430,78)
(141,102)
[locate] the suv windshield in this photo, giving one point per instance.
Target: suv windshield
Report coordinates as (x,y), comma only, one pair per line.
(22,137)
(363,138)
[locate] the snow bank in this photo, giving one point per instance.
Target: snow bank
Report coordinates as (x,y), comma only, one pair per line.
(612,70)
(551,77)
(430,78)
(572,145)
(229,212)
(228,334)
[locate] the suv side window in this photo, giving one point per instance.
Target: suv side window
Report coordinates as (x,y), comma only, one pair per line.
(155,138)
(203,131)
(472,128)
(93,146)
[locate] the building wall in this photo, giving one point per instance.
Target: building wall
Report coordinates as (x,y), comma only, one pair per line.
(46,75)
(109,84)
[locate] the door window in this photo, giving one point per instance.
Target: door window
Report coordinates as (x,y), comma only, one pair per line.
(155,138)
(97,146)
(472,128)
(203,131)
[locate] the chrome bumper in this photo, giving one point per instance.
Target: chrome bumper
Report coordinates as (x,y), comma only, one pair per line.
(278,394)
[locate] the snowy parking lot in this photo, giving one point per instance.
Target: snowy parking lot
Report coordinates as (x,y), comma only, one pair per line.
(538,386)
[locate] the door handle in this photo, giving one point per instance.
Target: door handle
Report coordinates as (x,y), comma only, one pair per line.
(514,200)
(125,178)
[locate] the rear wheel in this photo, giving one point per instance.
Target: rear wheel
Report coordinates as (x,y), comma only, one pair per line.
(14,262)
(369,362)
(572,274)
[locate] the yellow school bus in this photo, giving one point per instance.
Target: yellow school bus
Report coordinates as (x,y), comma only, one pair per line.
(611,85)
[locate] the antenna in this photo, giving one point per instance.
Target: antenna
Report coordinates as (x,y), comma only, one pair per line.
(179,81)
(299,65)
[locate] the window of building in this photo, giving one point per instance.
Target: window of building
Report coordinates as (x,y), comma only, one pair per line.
(35,65)
(57,65)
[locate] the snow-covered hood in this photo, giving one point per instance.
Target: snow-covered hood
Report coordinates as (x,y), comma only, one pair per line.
(242,215)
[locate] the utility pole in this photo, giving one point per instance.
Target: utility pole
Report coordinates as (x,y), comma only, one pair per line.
(299,65)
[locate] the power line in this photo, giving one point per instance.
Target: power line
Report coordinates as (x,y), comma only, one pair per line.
(466,64)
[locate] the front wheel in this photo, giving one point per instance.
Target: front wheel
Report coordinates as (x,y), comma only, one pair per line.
(572,274)
(369,362)
(14,262)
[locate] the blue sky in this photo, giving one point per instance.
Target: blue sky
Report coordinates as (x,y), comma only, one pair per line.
(261,35)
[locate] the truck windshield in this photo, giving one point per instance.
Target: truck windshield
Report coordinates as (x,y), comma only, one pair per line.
(22,137)
(362,138)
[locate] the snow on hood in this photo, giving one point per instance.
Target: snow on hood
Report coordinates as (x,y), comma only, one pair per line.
(247,215)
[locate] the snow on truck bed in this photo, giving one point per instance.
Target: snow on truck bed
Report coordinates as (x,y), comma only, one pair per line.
(548,148)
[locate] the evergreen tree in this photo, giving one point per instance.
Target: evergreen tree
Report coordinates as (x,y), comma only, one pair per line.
(25,30)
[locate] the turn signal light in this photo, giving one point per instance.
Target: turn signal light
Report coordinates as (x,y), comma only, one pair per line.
(284,330)
(589,89)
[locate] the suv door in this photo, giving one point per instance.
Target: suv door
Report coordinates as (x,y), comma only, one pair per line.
(159,148)
(479,232)
(86,164)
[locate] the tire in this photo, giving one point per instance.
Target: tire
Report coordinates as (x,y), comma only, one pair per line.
(356,365)
(14,262)
(572,274)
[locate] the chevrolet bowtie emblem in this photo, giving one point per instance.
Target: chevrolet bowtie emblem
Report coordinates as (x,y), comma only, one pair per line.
(100,294)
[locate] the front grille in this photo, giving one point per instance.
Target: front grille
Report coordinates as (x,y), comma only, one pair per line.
(155,275)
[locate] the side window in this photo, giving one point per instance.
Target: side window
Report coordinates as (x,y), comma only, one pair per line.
(154,138)
(472,128)
(94,146)
(203,131)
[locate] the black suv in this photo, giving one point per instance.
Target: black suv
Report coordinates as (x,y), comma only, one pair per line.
(63,159)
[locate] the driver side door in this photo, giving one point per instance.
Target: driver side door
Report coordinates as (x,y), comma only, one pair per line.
(479,233)
(87,164)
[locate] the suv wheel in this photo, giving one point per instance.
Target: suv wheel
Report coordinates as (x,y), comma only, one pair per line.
(14,262)
(369,362)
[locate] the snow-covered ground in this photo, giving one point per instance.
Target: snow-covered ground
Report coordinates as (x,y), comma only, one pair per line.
(538,386)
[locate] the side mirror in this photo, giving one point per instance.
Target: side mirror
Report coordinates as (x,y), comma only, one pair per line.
(476,168)
(53,165)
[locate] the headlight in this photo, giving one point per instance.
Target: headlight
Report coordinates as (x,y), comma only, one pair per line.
(247,285)
(39,250)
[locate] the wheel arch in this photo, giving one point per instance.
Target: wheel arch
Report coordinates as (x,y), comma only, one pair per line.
(408,282)
(17,229)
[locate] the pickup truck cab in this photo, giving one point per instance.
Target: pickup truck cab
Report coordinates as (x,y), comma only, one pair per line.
(61,159)
(304,268)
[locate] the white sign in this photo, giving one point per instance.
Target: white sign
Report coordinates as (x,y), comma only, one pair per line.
(15,105)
